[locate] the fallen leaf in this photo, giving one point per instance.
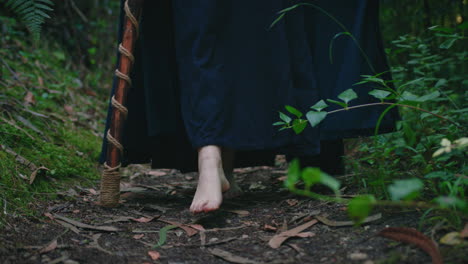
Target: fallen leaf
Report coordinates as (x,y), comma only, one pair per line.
(29,99)
(90,92)
(40,81)
(76,211)
(92,191)
(143,219)
(464,232)
(35,172)
(69,109)
(282,178)
(239,212)
(49,215)
(50,247)
(412,236)
(189,230)
(277,240)
(229,257)
(138,236)
(157,173)
(329,222)
(305,234)
(154,255)
(86,226)
(292,202)
(269,228)
(451,239)
(197,227)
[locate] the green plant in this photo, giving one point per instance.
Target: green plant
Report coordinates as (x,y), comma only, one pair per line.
(430,76)
(32,13)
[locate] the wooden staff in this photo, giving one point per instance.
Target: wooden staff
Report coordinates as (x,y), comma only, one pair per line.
(110,180)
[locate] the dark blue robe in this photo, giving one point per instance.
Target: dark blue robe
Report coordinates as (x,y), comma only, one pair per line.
(212,72)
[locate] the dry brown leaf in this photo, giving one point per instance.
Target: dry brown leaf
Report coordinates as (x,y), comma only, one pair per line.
(157,173)
(269,228)
(76,211)
(40,81)
(412,236)
(277,240)
(69,109)
(197,227)
(154,255)
(29,99)
(239,212)
(138,236)
(49,215)
(328,222)
(282,178)
(143,219)
(305,234)
(86,226)
(464,232)
(50,247)
(35,172)
(90,92)
(189,230)
(92,191)
(292,202)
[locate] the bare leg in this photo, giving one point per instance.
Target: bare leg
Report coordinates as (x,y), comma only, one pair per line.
(211,182)
(228,166)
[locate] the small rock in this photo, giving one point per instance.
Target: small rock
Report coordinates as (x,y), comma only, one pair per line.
(245,236)
(214,239)
(358,256)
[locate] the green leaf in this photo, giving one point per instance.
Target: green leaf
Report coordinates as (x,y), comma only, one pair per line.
(442,29)
(463,25)
(299,125)
(319,105)
(379,94)
(312,176)
(293,111)
(294,174)
(448,43)
(279,123)
(284,117)
(315,118)
(360,207)
(348,95)
(344,105)
(407,96)
(429,97)
(405,189)
(163,235)
(451,202)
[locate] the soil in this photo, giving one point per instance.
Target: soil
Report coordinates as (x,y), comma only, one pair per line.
(238,233)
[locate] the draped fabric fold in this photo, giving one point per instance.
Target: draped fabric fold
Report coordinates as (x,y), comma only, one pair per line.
(212,72)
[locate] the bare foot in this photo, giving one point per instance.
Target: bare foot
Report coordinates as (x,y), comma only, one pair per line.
(211,182)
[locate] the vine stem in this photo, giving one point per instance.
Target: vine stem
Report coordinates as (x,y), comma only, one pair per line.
(395,104)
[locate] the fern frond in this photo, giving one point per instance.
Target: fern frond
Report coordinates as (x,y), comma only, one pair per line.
(32,13)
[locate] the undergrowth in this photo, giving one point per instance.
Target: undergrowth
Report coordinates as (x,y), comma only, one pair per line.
(50,116)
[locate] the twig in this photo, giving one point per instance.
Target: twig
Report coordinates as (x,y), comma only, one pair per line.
(395,104)
(78,11)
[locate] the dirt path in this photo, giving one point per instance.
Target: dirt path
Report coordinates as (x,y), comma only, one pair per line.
(239,233)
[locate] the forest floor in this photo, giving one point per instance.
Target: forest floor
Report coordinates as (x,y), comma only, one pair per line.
(75,229)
